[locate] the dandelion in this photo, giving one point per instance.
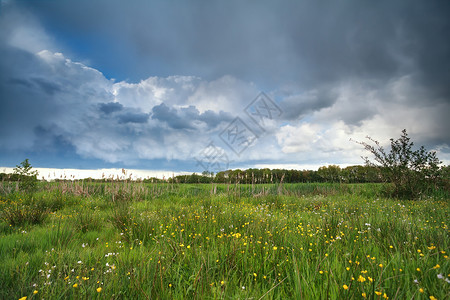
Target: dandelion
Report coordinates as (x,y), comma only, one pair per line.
(99,290)
(345,287)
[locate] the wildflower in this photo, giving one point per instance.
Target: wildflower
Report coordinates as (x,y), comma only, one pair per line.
(378,293)
(75,285)
(320,272)
(348,269)
(361,279)
(188,246)
(222,282)
(380,265)
(370,279)
(35,292)
(439,276)
(364,295)
(436,267)
(421,290)
(275,248)
(99,290)
(345,287)
(433,298)
(418,269)
(254,274)
(23,298)
(385,296)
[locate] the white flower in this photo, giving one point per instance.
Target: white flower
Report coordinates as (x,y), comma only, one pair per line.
(416,281)
(439,276)
(243,287)
(80,262)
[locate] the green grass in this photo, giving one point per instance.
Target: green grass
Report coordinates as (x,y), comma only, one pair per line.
(163,241)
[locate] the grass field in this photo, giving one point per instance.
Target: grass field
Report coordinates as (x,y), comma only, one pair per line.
(298,241)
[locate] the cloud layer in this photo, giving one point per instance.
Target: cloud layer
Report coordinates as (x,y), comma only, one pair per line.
(338,72)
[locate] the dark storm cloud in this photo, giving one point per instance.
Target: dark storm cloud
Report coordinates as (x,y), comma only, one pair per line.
(267,42)
(110,107)
(188,117)
(131,117)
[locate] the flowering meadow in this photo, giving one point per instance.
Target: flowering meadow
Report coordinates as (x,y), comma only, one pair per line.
(130,240)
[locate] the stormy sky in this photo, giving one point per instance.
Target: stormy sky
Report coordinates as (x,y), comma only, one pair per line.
(177,84)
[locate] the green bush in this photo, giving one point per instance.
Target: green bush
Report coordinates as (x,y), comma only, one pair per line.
(411,172)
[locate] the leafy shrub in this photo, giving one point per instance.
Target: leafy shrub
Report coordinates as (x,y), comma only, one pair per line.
(27,178)
(412,173)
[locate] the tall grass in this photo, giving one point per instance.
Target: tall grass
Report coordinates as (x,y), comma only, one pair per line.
(286,241)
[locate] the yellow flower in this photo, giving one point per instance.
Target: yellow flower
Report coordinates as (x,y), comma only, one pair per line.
(222,282)
(378,293)
(436,267)
(345,287)
(370,279)
(99,290)
(348,269)
(418,269)
(361,279)
(23,298)
(75,285)
(364,295)
(254,274)
(275,248)
(35,292)
(380,265)
(432,298)
(189,246)
(421,290)
(385,296)
(320,272)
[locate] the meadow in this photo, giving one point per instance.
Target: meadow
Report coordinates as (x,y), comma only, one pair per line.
(131,240)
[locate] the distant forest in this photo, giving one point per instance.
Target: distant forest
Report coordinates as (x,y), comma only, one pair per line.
(332,173)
